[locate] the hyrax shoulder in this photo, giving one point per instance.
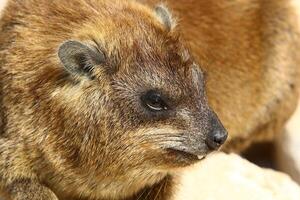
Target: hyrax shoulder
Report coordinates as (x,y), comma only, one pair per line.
(100,100)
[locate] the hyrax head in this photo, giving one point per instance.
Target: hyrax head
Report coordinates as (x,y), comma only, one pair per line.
(138,97)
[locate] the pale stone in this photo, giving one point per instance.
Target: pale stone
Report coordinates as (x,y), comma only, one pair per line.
(288,148)
(230,177)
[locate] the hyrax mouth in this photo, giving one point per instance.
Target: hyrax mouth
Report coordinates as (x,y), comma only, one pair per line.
(181,154)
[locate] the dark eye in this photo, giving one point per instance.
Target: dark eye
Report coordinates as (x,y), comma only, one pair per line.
(153,101)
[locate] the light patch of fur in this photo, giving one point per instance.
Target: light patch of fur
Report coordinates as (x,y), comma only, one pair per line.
(165,17)
(185,114)
(164,130)
(135,181)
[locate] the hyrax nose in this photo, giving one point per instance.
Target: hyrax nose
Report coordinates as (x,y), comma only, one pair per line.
(217,136)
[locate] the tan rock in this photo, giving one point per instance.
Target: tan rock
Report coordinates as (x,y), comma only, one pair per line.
(288,148)
(230,177)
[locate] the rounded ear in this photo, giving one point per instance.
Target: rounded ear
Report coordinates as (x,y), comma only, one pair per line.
(165,17)
(79,59)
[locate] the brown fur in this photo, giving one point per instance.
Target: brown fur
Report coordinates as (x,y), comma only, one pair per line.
(249,49)
(73,126)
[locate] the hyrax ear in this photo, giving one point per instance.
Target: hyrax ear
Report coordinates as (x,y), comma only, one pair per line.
(165,17)
(80,59)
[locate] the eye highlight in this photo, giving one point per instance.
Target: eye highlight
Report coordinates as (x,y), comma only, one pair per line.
(153,101)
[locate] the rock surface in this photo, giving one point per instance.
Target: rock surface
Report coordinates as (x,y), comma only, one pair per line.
(222,176)
(288,148)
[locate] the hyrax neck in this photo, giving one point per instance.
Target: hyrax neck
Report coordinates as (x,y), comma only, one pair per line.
(137,183)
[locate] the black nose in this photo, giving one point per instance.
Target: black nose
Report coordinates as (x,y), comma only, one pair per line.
(217,136)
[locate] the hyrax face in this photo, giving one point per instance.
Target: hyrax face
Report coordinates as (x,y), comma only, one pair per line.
(137,99)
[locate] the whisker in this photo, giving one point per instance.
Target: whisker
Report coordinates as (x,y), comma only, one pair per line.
(141,195)
(160,141)
(150,191)
(158,192)
(159,135)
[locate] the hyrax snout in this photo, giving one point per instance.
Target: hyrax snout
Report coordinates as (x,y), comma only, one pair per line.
(217,135)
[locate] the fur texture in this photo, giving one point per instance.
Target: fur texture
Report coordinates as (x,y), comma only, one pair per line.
(249,50)
(82,84)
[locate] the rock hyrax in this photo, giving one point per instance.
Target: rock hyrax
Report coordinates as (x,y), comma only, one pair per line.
(99,100)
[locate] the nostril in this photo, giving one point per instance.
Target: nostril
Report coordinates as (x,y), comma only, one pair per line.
(217,135)
(216,139)
(220,137)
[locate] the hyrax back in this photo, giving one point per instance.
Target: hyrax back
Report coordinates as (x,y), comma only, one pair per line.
(100,100)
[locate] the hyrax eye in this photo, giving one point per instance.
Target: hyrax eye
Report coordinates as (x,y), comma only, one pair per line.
(153,101)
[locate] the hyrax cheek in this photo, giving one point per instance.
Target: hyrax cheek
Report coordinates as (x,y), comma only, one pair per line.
(196,144)
(159,136)
(191,143)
